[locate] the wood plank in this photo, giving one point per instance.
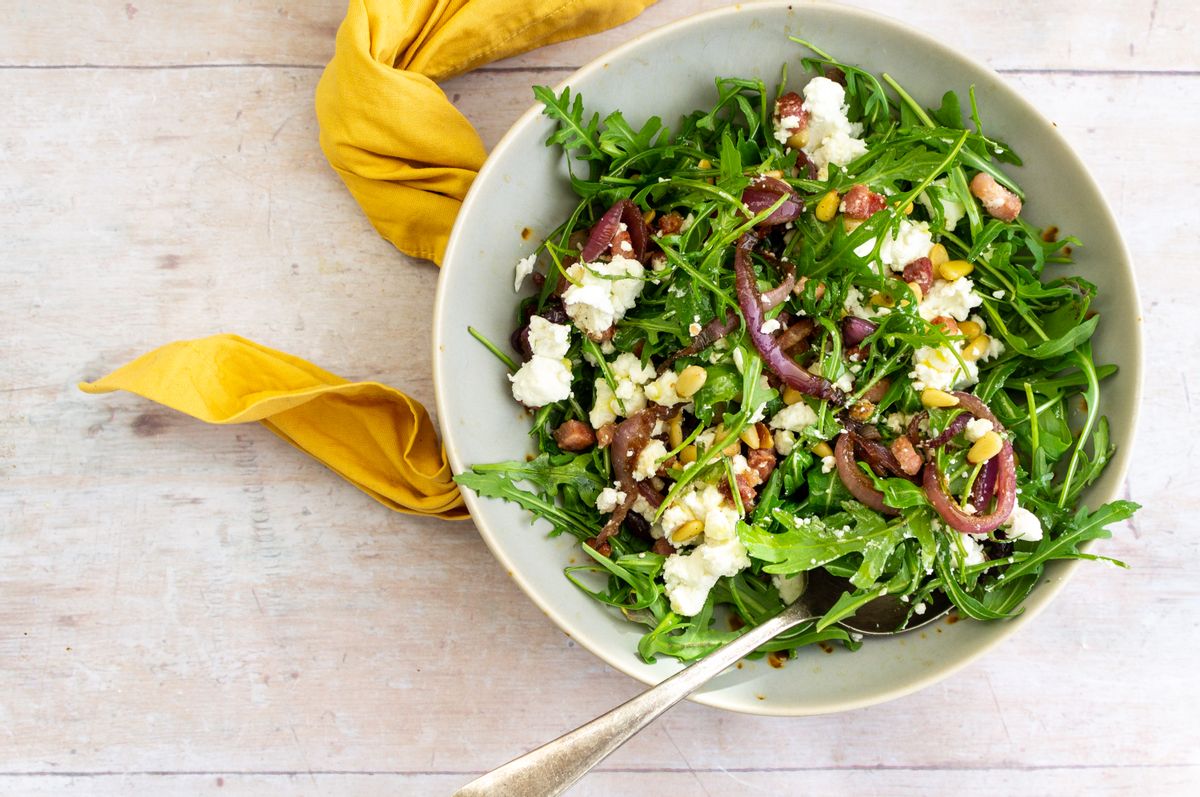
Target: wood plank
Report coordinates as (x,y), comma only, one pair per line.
(180,598)
(1022,34)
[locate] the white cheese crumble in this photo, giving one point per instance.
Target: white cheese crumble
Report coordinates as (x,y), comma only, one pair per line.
(649,459)
(832,137)
(1022,525)
(794,417)
(609,499)
(524,269)
(662,390)
(784,127)
(630,375)
(910,241)
(790,587)
(594,300)
(977,428)
(546,376)
(828,464)
(955,299)
(785,441)
(689,577)
(937,367)
(769,326)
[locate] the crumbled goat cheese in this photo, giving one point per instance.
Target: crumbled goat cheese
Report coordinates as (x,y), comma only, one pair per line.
(648,460)
(790,587)
(955,299)
(828,464)
(977,428)
(785,441)
(1022,525)
(662,390)
(937,367)
(919,608)
(769,326)
(524,269)
(853,305)
(609,499)
(896,422)
(794,417)
(952,209)
(689,577)
(911,240)
(784,127)
(972,549)
(546,376)
(832,137)
(630,376)
(594,301)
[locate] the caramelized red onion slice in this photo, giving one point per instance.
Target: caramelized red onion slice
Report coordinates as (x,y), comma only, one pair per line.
(955,517)
(763,192)
(750,302)
(855,330)
(606,228)
(630,437)
(856,481)
(985,484)
(777,295)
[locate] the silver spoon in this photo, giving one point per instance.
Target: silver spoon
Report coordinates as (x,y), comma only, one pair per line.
(552,768)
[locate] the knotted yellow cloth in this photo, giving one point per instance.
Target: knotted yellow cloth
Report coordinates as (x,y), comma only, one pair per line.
(408,156)
(403,150)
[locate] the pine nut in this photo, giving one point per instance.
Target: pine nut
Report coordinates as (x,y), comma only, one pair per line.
(953,269)
(934,398)
(764,436)
(970,329)
(688,455)
(687,531)
(985,448)
(749,436)
(691,379)
(938,255)
(798,139)
(791,395)
(822,449)
(675,431)
(976,348)
(827,207)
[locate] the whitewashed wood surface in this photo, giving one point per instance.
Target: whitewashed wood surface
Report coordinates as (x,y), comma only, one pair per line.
(188,609)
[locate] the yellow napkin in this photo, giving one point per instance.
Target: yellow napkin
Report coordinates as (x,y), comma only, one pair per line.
(408,156)
(374,436)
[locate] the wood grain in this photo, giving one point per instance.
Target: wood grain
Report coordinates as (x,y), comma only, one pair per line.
(191,609)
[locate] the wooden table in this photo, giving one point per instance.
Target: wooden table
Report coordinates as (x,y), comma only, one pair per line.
(188,609)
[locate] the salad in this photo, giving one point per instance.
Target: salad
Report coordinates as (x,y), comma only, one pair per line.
(809,330)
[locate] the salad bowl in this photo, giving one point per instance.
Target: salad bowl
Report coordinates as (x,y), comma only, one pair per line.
(524,186)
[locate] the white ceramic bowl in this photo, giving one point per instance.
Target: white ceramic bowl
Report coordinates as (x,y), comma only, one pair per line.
(669,72)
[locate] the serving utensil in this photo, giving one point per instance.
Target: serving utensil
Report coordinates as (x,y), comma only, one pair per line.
(552,768)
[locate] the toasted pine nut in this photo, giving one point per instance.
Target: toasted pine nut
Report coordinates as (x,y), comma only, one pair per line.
(932,397)
(953,269)
(822,449)
(691,379)
(688,455)
(704,163)
(776,173)
(882,300)
(648,216)
(798,139)
(985,448)
(675,430)
(938,255)
(916,289)
(970,329)
(687,531)
(749,436)
(850,225)
(827,206)
(976,348)
(791,395)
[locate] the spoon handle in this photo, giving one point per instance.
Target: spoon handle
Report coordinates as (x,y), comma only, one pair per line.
(552,768)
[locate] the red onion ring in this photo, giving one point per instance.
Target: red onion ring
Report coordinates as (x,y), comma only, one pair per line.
(763,192)
(750,301)
(630,437)
(855,330)
(607,226)
(985,484)
(1006,496)
(855,480)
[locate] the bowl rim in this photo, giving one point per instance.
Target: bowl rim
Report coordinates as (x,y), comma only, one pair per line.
(441,312)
